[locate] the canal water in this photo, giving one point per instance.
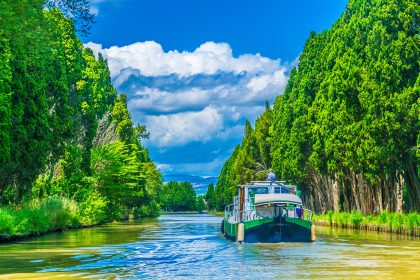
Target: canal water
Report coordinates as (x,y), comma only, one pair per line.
(191,247)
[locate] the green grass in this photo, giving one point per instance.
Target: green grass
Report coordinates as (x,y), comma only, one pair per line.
(38,217)
(217,213)
(386,221)
(58,213)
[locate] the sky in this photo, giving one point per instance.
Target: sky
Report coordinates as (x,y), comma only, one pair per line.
(195,70)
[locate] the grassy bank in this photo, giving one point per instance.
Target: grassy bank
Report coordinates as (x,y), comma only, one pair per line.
(404,223)
(49,215)
(217,213)
(38,217)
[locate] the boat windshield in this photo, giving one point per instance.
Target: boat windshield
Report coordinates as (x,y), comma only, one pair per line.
(283,190)
(260,190)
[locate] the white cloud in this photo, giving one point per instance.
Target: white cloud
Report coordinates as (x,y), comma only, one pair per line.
(165,101)
(209,58)
(181,128)
(197,96)
(163,167)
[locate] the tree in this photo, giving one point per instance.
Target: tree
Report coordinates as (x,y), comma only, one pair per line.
(178,196)
(53,93)
(210,197)
(199,205)
(344,128)
(118,175)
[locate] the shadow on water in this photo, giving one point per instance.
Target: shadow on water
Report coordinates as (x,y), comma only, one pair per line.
(190,246)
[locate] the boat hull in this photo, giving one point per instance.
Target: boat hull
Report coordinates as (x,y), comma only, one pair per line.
(272,230)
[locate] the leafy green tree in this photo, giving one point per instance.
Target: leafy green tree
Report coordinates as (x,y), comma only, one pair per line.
(248,156)
(178,196)
(117,173)
(344,128)
(53,93)
(226,187)
(263,137)
(199,204)
(210,197)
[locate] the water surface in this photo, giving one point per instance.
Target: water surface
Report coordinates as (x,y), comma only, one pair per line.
(190,246)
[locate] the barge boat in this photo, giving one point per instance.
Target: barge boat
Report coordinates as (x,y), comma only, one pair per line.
(267,211)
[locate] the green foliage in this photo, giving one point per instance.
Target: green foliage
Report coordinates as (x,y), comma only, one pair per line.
(350,107)
(94,209)
(389,221)
(177,196)
(249,161)
(38,217)
(263,136)
(118,175)
(53,95)
(210,197)
(356,219)
(226,184)
(151,209)
(199,204)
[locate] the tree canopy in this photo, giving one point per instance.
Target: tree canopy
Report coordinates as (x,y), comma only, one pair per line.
(345,127)
(56,101)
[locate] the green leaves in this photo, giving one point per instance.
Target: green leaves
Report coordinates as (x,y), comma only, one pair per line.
(350,109)
(177,196)
(53,93)
(117,171)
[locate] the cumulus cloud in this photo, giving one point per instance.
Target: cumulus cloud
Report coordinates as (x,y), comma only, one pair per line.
(202,96)
(195,126)
(151,60)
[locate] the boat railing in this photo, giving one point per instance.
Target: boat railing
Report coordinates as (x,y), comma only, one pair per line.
(234,215)
(265,182)
(307,214)
(249,213)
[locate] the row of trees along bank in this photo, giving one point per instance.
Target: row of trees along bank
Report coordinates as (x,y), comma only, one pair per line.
(346,128)
(64,130)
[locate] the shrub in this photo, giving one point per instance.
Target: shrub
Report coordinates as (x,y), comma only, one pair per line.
(398,222)
(412,220)
(149,210)
(7,221)
(330,217)
(356,219)
(93,210)
(383,218)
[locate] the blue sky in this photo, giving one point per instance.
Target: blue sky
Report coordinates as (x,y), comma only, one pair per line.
(194,70)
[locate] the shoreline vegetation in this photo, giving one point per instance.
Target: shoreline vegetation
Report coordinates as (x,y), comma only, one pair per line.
(40,217)
(400,223)
(346,128)
(70,154)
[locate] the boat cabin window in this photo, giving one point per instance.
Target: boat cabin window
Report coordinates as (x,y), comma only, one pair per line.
(283,190)
(261,190)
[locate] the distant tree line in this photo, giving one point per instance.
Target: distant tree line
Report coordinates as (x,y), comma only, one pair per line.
(180,196)
(346,128)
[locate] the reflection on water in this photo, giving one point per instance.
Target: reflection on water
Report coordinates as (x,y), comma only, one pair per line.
(190,246)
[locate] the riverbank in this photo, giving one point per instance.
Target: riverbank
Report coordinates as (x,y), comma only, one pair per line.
(40,217)
(401,223)
(217,213)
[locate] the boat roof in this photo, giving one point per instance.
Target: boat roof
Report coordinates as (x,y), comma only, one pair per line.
(277,198)
(256,184)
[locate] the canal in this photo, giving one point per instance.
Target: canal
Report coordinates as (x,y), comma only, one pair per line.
(190,247)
